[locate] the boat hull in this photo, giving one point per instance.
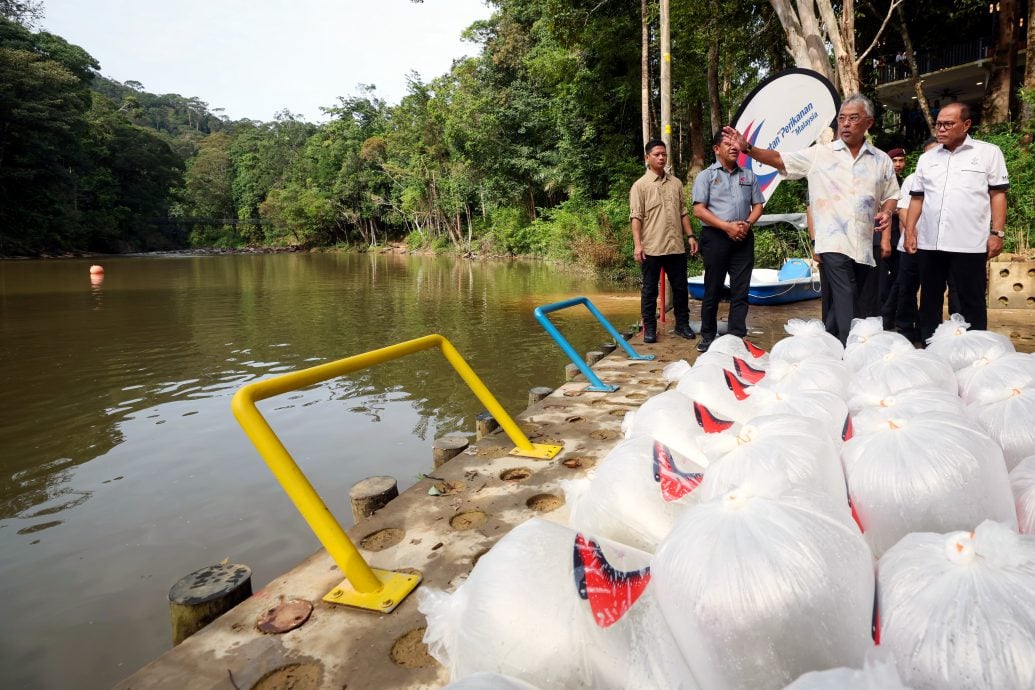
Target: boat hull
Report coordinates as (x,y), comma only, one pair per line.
(766,288)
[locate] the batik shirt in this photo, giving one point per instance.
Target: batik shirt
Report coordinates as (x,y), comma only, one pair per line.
(845,194)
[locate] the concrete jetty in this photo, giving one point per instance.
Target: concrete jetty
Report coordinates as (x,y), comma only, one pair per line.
(439,527)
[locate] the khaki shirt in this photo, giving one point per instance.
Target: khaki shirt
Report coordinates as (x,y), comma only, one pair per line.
(659,204)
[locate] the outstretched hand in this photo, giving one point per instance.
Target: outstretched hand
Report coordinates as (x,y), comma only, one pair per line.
(734,137)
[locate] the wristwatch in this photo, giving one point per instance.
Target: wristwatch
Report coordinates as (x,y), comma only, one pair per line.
(747,149)
(997,233)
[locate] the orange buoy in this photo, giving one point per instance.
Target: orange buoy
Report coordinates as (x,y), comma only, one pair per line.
(95,269)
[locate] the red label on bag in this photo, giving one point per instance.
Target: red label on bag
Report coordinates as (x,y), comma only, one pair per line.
(747,372)
(735,385)
(610,592)
(754,350)
(709,422)
(674,483)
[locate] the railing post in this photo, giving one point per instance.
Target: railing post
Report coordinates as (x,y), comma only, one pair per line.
(595,383)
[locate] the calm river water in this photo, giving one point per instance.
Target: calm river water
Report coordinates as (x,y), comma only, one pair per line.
(123,469)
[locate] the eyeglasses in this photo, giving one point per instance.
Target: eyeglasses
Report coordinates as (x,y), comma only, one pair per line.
(850,119)
(945,125)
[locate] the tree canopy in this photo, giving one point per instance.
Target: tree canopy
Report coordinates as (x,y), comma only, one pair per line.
(527,148)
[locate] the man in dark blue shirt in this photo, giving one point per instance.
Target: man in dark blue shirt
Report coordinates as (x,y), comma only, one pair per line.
(727,201)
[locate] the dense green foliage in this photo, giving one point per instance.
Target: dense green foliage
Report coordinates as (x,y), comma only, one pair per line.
(73,171)
(528,148)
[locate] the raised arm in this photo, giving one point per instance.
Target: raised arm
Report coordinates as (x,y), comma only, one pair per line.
(764,156)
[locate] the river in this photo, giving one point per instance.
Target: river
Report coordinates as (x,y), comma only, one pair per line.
(123,469)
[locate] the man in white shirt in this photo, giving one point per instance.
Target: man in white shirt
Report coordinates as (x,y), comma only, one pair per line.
(960,188)
(852,194)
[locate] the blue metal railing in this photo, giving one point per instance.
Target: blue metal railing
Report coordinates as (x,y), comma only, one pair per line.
(595,383)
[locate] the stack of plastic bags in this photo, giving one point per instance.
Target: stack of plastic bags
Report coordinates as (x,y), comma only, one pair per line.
(769,488)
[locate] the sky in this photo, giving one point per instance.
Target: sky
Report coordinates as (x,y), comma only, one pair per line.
(255,59)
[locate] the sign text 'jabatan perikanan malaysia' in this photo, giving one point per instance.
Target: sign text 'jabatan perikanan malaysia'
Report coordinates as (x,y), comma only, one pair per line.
(786,112)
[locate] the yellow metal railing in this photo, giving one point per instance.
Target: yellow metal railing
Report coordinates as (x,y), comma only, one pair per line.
(364,587)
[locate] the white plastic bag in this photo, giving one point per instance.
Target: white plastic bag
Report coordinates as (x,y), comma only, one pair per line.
(928,474)
(759,586)
(874,675)
(675,370)
(907,403)
(1008,416)
(1022,481)
(730,352)
(1007,371)
(556,609)
(960,347)
(738,347)
(809,340)
(956,609)
(826,409)
(715,387)
(821,373)
(773,446)
(636,494)
(667,417)
(868,341)
(901,368)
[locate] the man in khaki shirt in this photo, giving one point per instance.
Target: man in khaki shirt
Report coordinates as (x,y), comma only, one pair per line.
(659,218)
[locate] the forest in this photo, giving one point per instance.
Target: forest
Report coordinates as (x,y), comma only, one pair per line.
(527,149)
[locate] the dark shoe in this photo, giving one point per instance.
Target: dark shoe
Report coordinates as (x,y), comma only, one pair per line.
(650,334)
(686,332)
(704,345)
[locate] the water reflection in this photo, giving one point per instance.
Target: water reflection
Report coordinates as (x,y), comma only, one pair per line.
(122,468)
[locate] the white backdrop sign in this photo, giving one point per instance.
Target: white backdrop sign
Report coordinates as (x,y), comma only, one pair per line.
(786,112)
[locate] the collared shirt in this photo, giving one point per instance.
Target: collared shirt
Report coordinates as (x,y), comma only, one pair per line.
(955,186)
(845,194)
(729,194)
(658,203)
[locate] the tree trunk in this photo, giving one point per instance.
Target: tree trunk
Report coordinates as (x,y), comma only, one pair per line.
(804,41)
(996,108)
(696,142)
(918,89)
(841,34)
(715,109)
(666,82)
(645,72)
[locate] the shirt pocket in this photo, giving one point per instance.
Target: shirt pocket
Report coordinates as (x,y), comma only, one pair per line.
(971,179)
(652,203)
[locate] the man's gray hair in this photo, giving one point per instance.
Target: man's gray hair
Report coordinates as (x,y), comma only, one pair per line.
(865,102)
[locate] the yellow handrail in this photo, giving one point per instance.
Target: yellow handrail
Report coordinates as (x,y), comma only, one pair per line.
(364,586)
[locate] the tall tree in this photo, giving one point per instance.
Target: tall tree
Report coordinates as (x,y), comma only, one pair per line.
(1028,103)
(810,26)
(644,72)
(996,108)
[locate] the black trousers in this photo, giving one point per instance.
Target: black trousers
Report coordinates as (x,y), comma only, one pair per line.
(887,275)
(869,287)
(900,309)
(841,281)
(674,266)
(966,273)
(722,256)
